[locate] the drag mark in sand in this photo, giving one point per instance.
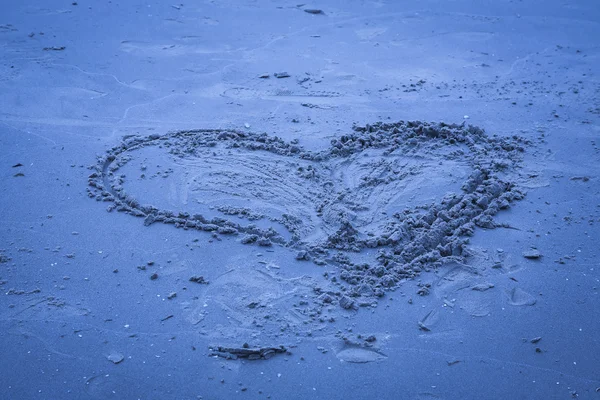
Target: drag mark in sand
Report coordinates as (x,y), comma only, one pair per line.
(411,191)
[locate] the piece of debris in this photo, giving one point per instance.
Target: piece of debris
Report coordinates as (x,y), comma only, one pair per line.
(17,165)
(19,292)
(257,353)
(171,295)
(482,287)
(580,178)
(154,276)
(115,357)
(198,279)
(264,76)
(426,322)
(281,75)
(54,48)
(167,317)
(313,11)
(536,339)
(532,254)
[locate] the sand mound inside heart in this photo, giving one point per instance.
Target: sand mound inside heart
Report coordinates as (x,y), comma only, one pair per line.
(413,190)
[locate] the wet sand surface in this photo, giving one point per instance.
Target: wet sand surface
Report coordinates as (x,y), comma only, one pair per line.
(271,200)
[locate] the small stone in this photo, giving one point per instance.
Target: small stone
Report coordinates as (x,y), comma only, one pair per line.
(115,357)
(282,74)
(532,254)
(154,276)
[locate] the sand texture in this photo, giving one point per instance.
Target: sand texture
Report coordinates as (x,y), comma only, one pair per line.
(271,200)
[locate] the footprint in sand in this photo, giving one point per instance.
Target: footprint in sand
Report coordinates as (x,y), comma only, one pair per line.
(519,297)
(461,286)
(360,355)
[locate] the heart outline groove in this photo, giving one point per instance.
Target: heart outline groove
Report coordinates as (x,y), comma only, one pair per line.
(414,239)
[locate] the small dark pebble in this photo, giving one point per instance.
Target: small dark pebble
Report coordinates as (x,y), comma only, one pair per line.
(154,276)
(198,279)
(313,11)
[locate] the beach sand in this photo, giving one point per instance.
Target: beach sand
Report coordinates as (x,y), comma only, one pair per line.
(396,200)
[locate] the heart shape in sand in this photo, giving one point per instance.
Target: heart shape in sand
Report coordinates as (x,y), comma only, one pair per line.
(412,189)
